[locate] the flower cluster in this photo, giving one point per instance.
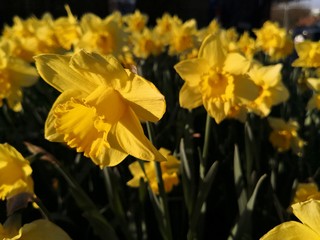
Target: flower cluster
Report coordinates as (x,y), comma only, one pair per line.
(117,78)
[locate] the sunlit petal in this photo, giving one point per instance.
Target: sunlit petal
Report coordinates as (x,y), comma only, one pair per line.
(191,70)
(145,99)
(131,138)
(291,231)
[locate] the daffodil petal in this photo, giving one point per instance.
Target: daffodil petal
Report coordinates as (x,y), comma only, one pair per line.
(217,109)
(43,229)
(109,157)
(137,172)
(246,89)
(191,70)
(271,74)
(14,100)
(277,123)
(236,64)
(105,70)
(55,70)
(279,94)
(22,73)
(309,214)
(212,50)
(291,231)
(189,97)
(131,138)
(314,83)
(50,132)
(145,99)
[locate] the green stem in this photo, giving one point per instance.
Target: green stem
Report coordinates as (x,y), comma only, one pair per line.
(162,193)
(205,150)
(44,211)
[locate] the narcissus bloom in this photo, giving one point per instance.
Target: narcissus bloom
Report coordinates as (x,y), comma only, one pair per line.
(306,191)
(183,37)
(38,229)
(308,54)
(67,30)
(215,79)
(274,40)
(15,73)
(15,172)
(164,27)
(146,43)
(100,106)
(314,102)
(105,36)
(271,89)
(136,21)
(32,36)
(247,45)
(285,135)
(309,214)
(170,170)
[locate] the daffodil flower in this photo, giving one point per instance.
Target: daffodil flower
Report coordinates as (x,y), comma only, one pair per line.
(285,136)
(306,191)
(309,214)
(38,229)
(15,172)
(314,102)
(15,74)
(274,40)
(308,54)
(215,79)
(100,106)
(170,170)
(272,91)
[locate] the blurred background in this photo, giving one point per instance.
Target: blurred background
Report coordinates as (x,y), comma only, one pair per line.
(244,14)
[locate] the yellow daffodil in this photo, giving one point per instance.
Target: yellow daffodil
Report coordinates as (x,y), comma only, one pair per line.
(229,39)
(306,191)
(100,106)
(215,79)
(15,73)
(15,172)
(314,102)
(164,27)
(183,37)
(146,43)
(32,36)
(271,89)
(309,214)
(136,21)
(284,136)
(247,45)
(212,28)
(274,40)
(105,36)
(308,54)
(67,30)
(36,230)
(170,170)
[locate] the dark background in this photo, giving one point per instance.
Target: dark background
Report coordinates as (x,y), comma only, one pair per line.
(243,14)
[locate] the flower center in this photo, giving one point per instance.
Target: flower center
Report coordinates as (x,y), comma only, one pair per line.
(82,128)
(281,140)
(216,84)
(105,42)
(108,103)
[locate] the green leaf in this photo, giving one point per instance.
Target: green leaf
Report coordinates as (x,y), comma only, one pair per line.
(239,181)
(204,189)
(243,226)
